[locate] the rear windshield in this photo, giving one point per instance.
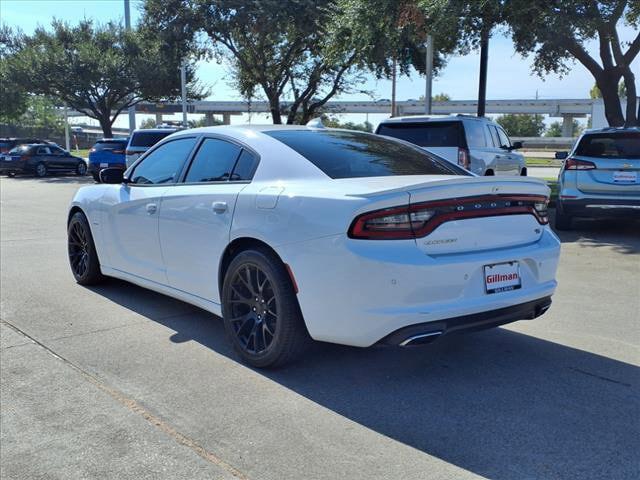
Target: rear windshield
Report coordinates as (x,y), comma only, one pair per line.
(110,145)
(434,134)
(20,149)
(148,139)
(342,154)
(610,145)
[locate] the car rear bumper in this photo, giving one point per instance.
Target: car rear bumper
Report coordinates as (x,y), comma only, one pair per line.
(601,207)
(96,167)
(358,292)
(426,332)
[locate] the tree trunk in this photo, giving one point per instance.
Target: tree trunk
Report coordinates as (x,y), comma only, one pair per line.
(274,107)
(105,125)
(632,119)
(608,85)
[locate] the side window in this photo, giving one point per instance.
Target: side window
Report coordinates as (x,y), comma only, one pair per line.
(494,136)
(214,161)
(245,166)
(489,133)
(475,134)
(504,138)
(163,165)
(43,151)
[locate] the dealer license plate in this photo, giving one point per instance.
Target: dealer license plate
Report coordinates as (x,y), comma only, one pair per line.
(104,165)
(502,277)
(625,177)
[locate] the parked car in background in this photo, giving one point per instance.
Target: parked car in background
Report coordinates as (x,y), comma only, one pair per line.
(600,177)
(289,231)
(40,159)
(143,139)
(475,143)
(107,153)
(77,129)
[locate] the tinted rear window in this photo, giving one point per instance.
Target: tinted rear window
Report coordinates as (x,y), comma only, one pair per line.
(350,154)
(110,145)
(610,145)
(435,134)
(148,139)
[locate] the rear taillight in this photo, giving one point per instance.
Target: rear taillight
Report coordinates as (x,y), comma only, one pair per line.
(573,164)
(463,158)
(420,219)
(118,152)
(129,152)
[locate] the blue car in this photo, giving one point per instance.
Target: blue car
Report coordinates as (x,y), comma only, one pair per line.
(107,153)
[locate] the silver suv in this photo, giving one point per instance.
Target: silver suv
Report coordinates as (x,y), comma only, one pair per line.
(600,177)
(475,143)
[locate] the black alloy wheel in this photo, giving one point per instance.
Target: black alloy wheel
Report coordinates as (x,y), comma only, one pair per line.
(254,309)
(82,251)
(81,169)
(260,310)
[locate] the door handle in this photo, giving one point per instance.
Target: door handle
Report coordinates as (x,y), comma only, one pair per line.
(151,208)
(219,207)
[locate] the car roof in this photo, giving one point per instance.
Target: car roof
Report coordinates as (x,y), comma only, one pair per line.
(592,131)
(125,139)
(433,119)
(157,130)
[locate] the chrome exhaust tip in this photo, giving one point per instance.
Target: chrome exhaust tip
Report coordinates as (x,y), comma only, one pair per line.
(420,339)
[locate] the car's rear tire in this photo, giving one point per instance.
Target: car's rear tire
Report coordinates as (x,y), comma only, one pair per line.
(81,169)
(562,220)
(523,172)
(489,173)
(41,170)
(83,257)
(261,314)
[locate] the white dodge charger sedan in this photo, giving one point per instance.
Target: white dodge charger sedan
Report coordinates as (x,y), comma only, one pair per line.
(292,232)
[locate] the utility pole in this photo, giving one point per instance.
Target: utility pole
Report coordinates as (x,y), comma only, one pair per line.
(394,70)
(183,87)
(127,25)
(67,143)
(429,76)
(484,60)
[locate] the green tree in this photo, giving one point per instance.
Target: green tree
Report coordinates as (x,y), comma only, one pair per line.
(334,122)
(555,129)
(522,125)
(441,97)
(99,70)
(13,95)
(148,123)
(556,33)
(298,54)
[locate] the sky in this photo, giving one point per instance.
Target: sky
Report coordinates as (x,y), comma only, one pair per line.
(509,75)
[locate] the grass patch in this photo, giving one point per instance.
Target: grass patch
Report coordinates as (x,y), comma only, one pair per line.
(553,185)
(83,152)
(542,162)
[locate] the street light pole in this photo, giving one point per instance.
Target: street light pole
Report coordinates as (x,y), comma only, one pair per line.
(127,25)
(183,87)
(429,76)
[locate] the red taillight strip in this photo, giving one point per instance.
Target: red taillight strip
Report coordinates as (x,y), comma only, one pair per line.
(358,230)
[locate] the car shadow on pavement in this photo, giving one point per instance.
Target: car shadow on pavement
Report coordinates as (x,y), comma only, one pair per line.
(623,235)
(498,403)
(56,179)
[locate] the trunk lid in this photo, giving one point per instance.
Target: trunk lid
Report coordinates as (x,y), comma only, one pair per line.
(495,226)
(618,176)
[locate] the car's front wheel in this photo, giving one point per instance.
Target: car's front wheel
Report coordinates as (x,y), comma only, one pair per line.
(83,257)
(260,310)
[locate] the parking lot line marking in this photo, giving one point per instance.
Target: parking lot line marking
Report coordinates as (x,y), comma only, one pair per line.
(135,407)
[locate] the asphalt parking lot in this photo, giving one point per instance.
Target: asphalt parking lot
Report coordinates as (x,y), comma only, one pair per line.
(118,382)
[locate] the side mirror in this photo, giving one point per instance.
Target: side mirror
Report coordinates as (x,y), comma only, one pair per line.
(111,175)
(516,145)
(561,155)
